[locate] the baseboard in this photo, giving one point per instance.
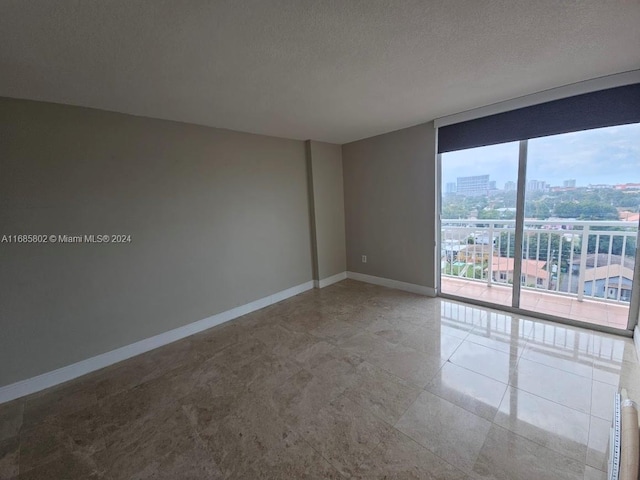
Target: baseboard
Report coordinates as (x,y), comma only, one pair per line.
(325,282)
(398,285)
(75,370)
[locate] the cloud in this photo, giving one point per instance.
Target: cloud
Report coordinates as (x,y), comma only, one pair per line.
(590,156)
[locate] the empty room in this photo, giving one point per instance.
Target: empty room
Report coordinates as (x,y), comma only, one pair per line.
(300,239)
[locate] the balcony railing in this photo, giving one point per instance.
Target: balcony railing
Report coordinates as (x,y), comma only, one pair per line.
(583,259)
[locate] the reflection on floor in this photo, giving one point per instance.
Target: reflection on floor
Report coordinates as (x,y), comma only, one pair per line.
(352,381)
(589,311)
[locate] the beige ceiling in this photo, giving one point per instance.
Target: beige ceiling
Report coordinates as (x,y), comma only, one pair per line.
(335,70)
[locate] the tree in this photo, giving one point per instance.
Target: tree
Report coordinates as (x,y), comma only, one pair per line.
(598,211)
(548,249)
(454,211)
(567,210)
(586,210)
(488,214)
(540,209)
(618,243)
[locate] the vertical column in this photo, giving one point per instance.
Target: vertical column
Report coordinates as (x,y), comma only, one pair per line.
(326,204)
(517,263)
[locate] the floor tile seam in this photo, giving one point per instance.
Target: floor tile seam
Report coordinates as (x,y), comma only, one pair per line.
(587,464)
(531,441)
(330,339)
(549,400)
(416,385)
(586,446)
(589,438)
(54,458)
(372,412)
(400,432)
(438,329)
(281,382)
(17,463)
(320,455)
(532,343)
(283,324)
(468,472)
(616,384)
(597,469)
(557,368)
(64,433)
(495,349)
(20,402)
(336,467)
(100,399)
(17,434)
(447,401)
(164,407)
(409,407)
(570,373)
(481,330)
(621,362)
(601,418)
(462,407)
(449,357)
(477,373)
(504,394)
(50,419)
(396,345)
(216,353)
(396,378)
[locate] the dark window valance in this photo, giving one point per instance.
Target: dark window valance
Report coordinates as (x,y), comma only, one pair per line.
(604,108)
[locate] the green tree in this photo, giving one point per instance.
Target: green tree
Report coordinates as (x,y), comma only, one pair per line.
(567,210)
(547,248)
(454,211)
(617,246)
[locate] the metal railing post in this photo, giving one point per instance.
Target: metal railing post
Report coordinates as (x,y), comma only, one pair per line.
(583,263)
(490,266)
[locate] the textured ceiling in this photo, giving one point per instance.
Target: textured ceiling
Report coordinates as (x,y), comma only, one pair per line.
(335,71)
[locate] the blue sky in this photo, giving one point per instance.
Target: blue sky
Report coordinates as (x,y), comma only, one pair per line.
(605,155)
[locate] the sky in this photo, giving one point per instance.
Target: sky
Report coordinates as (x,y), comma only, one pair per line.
(605,155)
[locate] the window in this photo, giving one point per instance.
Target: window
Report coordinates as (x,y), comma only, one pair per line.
(554,188)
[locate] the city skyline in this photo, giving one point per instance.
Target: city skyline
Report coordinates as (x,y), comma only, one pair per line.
(586,156)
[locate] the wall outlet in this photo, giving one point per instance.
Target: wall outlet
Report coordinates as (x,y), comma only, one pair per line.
(364,259)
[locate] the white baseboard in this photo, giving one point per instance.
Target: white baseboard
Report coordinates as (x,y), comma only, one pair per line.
(387,282)
(325,282)
(69,372)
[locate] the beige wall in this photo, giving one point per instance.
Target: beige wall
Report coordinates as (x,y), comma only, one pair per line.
(217,219)
(327,208)
(390,186)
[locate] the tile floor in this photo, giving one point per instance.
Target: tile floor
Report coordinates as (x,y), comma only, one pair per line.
(352,381)
(588,311)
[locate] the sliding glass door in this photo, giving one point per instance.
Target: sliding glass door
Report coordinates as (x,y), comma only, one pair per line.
(478,222)
(547,225)
(582,199)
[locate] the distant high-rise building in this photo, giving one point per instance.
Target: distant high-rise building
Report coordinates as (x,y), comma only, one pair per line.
(475,186)
(510,186)
(450,188)
(569,183)
(536,186)
(492,185)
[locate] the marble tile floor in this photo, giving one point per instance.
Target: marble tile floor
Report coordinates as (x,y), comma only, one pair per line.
(351,381)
